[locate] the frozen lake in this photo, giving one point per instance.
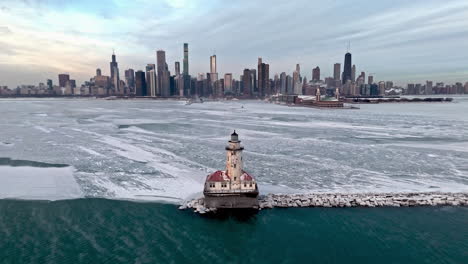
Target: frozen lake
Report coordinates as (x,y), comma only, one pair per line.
(162,150)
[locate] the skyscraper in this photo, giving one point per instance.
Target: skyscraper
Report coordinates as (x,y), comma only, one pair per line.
(163,73)
(347,68)
(140,84)
(263,78)
(247,83)
(336,71)
(316,74)
(177,68)
(114,69)
(283,84)
(228,82)
(370,79)
(151,80)
(353,73)
(186,60)
(213,64)
(130,79)
(64,80)
(98,72)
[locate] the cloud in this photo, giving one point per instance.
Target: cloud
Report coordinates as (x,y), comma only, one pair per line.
(5,30)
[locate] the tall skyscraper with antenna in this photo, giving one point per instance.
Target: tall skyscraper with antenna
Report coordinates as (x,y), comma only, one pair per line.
(186,62)
(347,68)
(114,70)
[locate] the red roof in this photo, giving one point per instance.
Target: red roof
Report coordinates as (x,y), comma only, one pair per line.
(246,177)
(217,176)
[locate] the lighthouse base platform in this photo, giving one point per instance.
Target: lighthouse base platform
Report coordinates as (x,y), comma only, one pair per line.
(240,201)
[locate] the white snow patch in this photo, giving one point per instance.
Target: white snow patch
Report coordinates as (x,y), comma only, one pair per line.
(38,183)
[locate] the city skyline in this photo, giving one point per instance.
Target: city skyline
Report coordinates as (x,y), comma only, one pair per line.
(431,50)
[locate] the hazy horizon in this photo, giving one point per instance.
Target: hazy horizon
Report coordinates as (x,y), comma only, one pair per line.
(397,40)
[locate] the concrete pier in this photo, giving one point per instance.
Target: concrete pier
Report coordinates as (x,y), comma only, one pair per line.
(347,200)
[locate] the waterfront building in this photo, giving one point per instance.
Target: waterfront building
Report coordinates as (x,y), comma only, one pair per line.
(233,187)
(370,79)
(50,84)
(382,88)
(64,79)
(247,83)
(428,89)
(140,84)
(353,73)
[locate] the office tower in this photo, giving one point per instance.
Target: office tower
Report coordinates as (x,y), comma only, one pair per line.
(253,78)
(283,83)
(363,75)
(72,84)
(228,82)
(247,83)
(213,70)
(370,79)
(417,89)
(316,74)
(163,85)
(353,73)
(389,84)
(382,88)
(186,60)
(98,72)
(151,80)
(336,71)
(213,64)
(289,85)
(296,83)
(347,68)
(130,79)
(50,84)
(263,78)
(177,68)
(140,84)
(428,87)
(114,69)
(64,79)
(410,88)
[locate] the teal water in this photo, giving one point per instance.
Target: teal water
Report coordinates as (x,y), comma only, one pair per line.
(110,231)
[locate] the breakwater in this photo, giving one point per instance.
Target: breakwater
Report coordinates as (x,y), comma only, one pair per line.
(346,200)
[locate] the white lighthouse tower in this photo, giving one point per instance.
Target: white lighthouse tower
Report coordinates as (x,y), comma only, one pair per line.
(234,165)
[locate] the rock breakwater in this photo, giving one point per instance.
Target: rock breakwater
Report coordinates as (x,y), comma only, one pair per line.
(346,200)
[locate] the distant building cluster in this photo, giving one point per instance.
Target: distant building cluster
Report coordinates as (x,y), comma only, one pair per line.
(156,80)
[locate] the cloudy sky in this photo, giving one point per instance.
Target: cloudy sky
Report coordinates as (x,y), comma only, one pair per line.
(399,40)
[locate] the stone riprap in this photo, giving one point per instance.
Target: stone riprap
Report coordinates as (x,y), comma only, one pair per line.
(346,200)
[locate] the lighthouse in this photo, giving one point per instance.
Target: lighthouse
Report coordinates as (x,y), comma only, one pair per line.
(233,187)
(234,166)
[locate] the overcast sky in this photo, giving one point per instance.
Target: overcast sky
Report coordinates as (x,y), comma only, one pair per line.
(399,40)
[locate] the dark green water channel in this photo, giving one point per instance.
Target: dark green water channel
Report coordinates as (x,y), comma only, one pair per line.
(107,231)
